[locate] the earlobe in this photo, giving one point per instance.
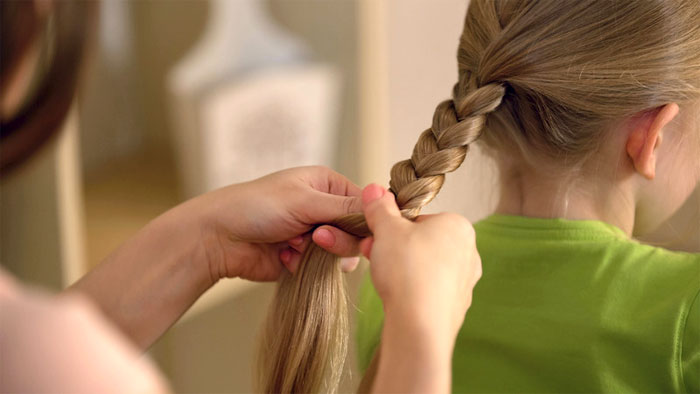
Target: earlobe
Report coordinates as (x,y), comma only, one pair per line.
(645,136)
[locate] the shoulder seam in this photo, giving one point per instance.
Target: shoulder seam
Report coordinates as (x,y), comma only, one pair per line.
(681,336)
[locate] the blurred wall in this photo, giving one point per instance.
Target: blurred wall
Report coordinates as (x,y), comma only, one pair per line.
(422,68)
(125,140)
(123,103)
(330,29)
(682,231)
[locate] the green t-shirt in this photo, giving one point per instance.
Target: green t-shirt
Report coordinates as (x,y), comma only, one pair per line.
(570,306)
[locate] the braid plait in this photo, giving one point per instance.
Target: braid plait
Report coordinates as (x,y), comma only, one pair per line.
(440,149)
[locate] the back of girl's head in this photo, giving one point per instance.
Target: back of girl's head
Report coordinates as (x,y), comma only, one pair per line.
(573,68)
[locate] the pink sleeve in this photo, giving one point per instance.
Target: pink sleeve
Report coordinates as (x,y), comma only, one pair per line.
(62,344)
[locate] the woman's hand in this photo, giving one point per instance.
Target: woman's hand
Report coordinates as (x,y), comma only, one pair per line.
(424,272)
(424,269)
(248,229)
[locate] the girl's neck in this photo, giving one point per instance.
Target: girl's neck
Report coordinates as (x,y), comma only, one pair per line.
(551,197)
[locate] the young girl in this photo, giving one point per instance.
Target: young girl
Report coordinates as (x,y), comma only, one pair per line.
(596,133)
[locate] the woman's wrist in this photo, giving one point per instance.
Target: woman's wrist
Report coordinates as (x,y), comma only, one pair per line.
(414,356)
(190,239)
(219,247)
(197,238)
(427,318)
(404,326)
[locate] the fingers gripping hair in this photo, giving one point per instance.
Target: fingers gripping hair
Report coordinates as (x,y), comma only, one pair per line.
(440,149)
(304,343)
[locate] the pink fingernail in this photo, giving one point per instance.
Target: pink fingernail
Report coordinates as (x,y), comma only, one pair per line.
(348,264)
(325,237)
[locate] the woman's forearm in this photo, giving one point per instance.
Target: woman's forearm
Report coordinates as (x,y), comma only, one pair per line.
(152,279)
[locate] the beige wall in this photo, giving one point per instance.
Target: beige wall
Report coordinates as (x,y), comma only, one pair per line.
(422,68)
(682,231)
(124,107)
(330,29)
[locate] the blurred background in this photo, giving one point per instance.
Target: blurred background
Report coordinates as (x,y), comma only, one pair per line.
(181,97)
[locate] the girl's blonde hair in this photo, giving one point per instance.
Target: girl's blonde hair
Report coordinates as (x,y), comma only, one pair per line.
(547,77)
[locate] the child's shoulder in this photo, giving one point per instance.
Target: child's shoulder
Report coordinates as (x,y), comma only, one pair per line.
(651,253)
(676,272)
(587,247)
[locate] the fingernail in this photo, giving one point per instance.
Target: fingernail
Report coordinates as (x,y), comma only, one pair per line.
(296,241)
(325,237)
(372,192)
(348,264)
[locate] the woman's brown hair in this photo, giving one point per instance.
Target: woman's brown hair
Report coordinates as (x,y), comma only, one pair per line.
(536,77)
(64,30)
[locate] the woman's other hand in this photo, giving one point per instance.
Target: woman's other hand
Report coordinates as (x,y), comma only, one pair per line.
(427,268)
(251,230)
(424,272)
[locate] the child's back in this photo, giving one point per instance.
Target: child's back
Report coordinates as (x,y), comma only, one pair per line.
(571,306)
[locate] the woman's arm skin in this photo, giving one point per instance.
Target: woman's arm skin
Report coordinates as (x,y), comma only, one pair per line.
(249,230)
(414,358)
(424,272)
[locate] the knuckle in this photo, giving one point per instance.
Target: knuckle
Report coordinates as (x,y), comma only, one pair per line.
(348,205)
(458,222)
(370,209)
(351,205)
(315,171)
(318,168)
(478,272)
(376,208)
(464,225)
(452,218)
(469,229)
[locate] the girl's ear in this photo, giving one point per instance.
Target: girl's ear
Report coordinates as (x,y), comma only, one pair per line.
(645,135)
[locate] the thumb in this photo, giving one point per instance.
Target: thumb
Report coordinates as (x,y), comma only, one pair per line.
(379,207)
(325,207)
